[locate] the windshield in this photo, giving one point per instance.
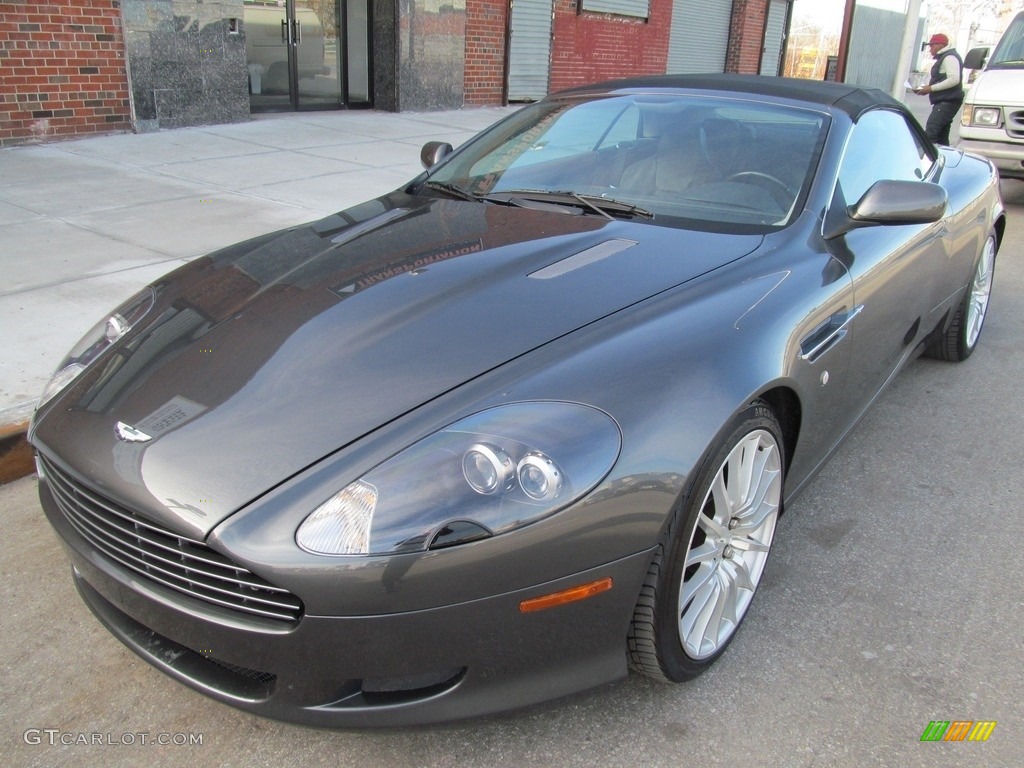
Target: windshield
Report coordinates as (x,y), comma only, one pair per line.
(1010,51)
(681,160)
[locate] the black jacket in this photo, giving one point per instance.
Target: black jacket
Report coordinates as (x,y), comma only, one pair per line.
(949,94)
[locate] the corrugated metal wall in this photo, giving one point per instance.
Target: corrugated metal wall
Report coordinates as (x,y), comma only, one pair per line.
(638,8)
(875,47)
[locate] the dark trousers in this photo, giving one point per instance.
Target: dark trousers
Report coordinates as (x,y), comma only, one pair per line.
(940,119)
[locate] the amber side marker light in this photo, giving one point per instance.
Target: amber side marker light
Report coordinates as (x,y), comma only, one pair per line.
(571,595)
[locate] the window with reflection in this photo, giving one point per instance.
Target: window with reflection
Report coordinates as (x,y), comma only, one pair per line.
(697,162)
(882,145)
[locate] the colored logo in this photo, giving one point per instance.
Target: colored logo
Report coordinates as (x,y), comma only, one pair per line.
(958,730)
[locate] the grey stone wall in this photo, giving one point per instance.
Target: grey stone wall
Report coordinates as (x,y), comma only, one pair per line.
(431,45)
(419,54)
(384,47)
(186,63)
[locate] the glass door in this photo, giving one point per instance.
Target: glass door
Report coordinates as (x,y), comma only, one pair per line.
(315,43)
(293,53)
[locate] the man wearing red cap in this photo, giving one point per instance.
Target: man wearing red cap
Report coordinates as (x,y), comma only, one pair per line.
(945,89)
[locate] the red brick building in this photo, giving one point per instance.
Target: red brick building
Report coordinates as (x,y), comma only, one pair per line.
(62,69)
(589,46)
(74,67)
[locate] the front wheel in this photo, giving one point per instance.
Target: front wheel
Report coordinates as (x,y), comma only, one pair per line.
(704,575)
(960,339)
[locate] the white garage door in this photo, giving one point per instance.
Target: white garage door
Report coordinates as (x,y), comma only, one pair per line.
(774,30)
(699,37)
(529,49)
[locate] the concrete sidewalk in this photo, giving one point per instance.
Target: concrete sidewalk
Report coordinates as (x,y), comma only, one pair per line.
(86,223)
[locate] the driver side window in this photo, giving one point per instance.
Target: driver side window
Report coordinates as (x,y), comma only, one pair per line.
(882,146)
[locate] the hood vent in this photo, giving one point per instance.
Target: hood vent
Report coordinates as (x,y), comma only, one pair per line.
(591,255)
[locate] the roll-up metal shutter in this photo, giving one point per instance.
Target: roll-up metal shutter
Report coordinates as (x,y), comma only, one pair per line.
(639,8)
(774,30)
(699,37)
(529,49)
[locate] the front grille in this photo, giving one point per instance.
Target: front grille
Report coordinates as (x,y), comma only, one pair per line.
(1015,123)
(158,555)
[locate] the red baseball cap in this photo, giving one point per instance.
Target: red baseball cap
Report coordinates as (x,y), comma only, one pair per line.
(938,39)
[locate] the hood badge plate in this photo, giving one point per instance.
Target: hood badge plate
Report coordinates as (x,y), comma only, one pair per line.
(130,434)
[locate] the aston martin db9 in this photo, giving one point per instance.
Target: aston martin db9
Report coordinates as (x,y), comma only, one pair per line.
(523,424)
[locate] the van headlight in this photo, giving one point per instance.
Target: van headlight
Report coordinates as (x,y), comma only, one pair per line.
(983,117)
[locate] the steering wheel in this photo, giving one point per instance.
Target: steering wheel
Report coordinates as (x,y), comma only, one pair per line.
(779,190)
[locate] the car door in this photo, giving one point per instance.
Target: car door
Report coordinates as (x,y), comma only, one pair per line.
(894,268)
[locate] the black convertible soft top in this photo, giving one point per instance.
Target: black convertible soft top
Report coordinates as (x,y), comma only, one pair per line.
(851,99)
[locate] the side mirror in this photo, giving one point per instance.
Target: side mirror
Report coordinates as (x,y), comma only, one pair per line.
(891,203)
(434,152)
(976,58)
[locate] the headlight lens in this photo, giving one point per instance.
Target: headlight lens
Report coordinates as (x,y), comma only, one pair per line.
(102,335)
(488,469)
(490,473)
(982,116)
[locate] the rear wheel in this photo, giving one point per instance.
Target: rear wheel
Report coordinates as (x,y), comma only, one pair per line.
(960,339)
(704,575)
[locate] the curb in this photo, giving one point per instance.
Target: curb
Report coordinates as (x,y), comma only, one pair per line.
(16,459)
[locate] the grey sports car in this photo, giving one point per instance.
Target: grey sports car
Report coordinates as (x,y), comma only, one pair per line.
(524,424)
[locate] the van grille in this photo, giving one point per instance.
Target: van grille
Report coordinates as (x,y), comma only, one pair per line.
(1015,123)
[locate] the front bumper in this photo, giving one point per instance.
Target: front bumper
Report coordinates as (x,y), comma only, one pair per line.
(1006,157)
(413,667)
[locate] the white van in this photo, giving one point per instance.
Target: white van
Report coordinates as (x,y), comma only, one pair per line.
(992,124)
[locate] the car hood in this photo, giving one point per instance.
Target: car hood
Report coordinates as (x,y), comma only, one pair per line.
(998,87)
(261,359)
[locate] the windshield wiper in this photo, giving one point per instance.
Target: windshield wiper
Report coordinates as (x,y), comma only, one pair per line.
(603,205)
(452,190)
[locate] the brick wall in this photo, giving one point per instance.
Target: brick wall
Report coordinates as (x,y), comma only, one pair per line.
(62,70)
(486,25)
(746,36)
(590,47)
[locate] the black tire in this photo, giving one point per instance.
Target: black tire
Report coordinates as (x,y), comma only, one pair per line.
(960,339)
(657,643)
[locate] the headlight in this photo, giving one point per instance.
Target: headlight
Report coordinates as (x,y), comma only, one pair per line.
(102,335)
(490,473)
(982,116)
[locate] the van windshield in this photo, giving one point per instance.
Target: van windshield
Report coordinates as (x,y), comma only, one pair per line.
(1009,54)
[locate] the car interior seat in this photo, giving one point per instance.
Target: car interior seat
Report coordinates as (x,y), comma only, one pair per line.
(678,162)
